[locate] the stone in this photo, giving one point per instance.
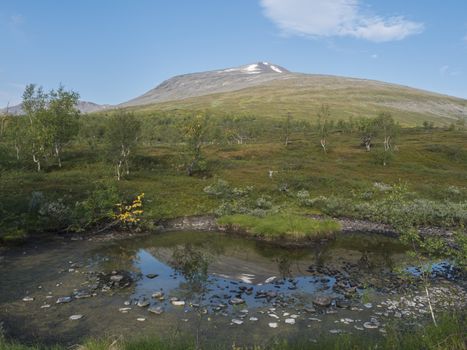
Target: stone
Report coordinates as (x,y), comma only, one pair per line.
(236,301)
(335,331)
(141,319)
(370,325)
(343,304)
(27,299)
(63,300)
(82,295)
(273,324)
(158,310)
(237,321)
(322,301)
(158,295)
(143,302)
(152,275)
(116,278)
(124,310)
(76,317)
(290,320)
(309,308)
(273,316)
(45,306)
(177,302)
(368,305)
(253,319)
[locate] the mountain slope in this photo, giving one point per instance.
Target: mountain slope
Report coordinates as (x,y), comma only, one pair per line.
(205,83)
(302,94)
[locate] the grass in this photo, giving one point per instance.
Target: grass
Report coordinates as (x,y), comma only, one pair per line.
(429,162)
(288,227)
(450,334)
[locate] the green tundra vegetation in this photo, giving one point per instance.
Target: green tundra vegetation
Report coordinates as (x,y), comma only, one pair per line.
(64,172)
(273,177)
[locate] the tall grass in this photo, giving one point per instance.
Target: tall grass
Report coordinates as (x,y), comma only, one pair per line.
(450,334)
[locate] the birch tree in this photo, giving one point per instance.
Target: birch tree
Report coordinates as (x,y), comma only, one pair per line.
(35,107)
(323,115)
(123,135)
(62,119)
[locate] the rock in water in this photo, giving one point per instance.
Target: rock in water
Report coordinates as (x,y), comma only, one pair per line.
(236,301)
(63,300)
(143,302)
(116,278)
(152,275)
(322,301)
(156,310)
(158,295)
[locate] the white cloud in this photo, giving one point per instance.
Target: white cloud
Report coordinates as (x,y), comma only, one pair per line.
(325,18)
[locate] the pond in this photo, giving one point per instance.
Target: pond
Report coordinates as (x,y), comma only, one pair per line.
(219,288)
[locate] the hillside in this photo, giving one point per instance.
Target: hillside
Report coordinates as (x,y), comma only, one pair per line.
(273,94)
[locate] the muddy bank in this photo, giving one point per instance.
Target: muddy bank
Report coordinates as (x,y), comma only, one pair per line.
(348,225)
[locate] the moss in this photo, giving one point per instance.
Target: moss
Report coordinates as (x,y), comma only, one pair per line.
(289,227)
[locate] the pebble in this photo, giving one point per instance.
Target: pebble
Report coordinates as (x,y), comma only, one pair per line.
(237,321)
(370,325)
(76,317)
(28,299)
(45,306)
(273,324)
(143,302)
(323,301)
(368,305)
(253,319)
(152,275)
(141,319)
(290,320)
(63,300)
(158,295)
(177,302)
(116,278)
(156,310)
(236,301)
(273,315)
(124,310)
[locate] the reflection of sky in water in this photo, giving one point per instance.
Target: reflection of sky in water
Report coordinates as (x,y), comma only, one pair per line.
(221,287)
(148,264)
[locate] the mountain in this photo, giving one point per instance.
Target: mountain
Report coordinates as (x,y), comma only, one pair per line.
(267,89)
(200,84)
(83,107)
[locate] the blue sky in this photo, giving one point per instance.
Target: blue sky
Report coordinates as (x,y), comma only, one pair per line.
(113,50)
